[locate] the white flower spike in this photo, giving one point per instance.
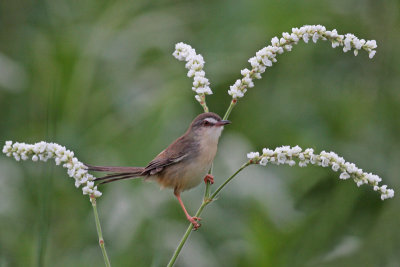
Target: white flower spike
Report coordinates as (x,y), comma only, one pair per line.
(267,55)
(195,65)
(44,151)
(288,155)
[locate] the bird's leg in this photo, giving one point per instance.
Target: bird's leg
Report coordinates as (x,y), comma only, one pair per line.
(193,220)
(209,178)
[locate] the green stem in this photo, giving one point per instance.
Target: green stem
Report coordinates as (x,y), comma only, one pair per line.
(228,111)
(185,237)
(208,185)
(99,233)
(228,180)
(203,102)
(205,108)
(206,201)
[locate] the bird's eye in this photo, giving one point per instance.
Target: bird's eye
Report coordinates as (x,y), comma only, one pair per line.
(207,123)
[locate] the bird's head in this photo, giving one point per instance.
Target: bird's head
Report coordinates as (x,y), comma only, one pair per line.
(208,124)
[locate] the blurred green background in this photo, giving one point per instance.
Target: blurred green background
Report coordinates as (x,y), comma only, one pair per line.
(99,78)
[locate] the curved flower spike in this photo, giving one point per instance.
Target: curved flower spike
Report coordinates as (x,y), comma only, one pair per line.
(295,155)
(195,65)
(267,56)
(44,151)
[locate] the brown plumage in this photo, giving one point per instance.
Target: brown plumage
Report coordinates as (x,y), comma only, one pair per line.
(183,164)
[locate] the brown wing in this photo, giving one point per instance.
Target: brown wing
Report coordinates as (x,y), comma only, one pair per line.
(162,160)
(179,150)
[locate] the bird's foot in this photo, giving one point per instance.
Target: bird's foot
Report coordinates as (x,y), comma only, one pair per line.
(209,178)
(195,222)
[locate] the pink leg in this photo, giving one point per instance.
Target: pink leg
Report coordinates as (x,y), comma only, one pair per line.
(193,220)
(209,178)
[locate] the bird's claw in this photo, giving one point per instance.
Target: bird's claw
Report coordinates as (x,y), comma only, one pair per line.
(209,178)
(195,222)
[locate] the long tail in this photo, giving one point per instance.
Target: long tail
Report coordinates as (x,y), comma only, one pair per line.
(118,173)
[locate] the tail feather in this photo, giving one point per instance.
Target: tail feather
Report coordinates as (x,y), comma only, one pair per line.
(113,169)
(114,175)
(118,178)
(120,173)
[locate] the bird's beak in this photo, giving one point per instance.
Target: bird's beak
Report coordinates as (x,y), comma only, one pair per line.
(223,122)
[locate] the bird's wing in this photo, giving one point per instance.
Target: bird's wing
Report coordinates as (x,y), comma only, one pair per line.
(162,160)
(179,150)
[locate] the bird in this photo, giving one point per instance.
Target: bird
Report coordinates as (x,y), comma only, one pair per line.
(184,164)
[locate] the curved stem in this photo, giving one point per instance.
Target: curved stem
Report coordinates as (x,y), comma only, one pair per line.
(206,201)
(99,232)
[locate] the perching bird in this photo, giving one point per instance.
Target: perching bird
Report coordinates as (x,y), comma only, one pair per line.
(183,164)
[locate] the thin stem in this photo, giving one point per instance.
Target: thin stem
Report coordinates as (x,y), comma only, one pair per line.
(205,108)
(203,102)
(208,185)
(185,236)
(99,233)
(228,180)
(45,214)
(228,111)
(206,201)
